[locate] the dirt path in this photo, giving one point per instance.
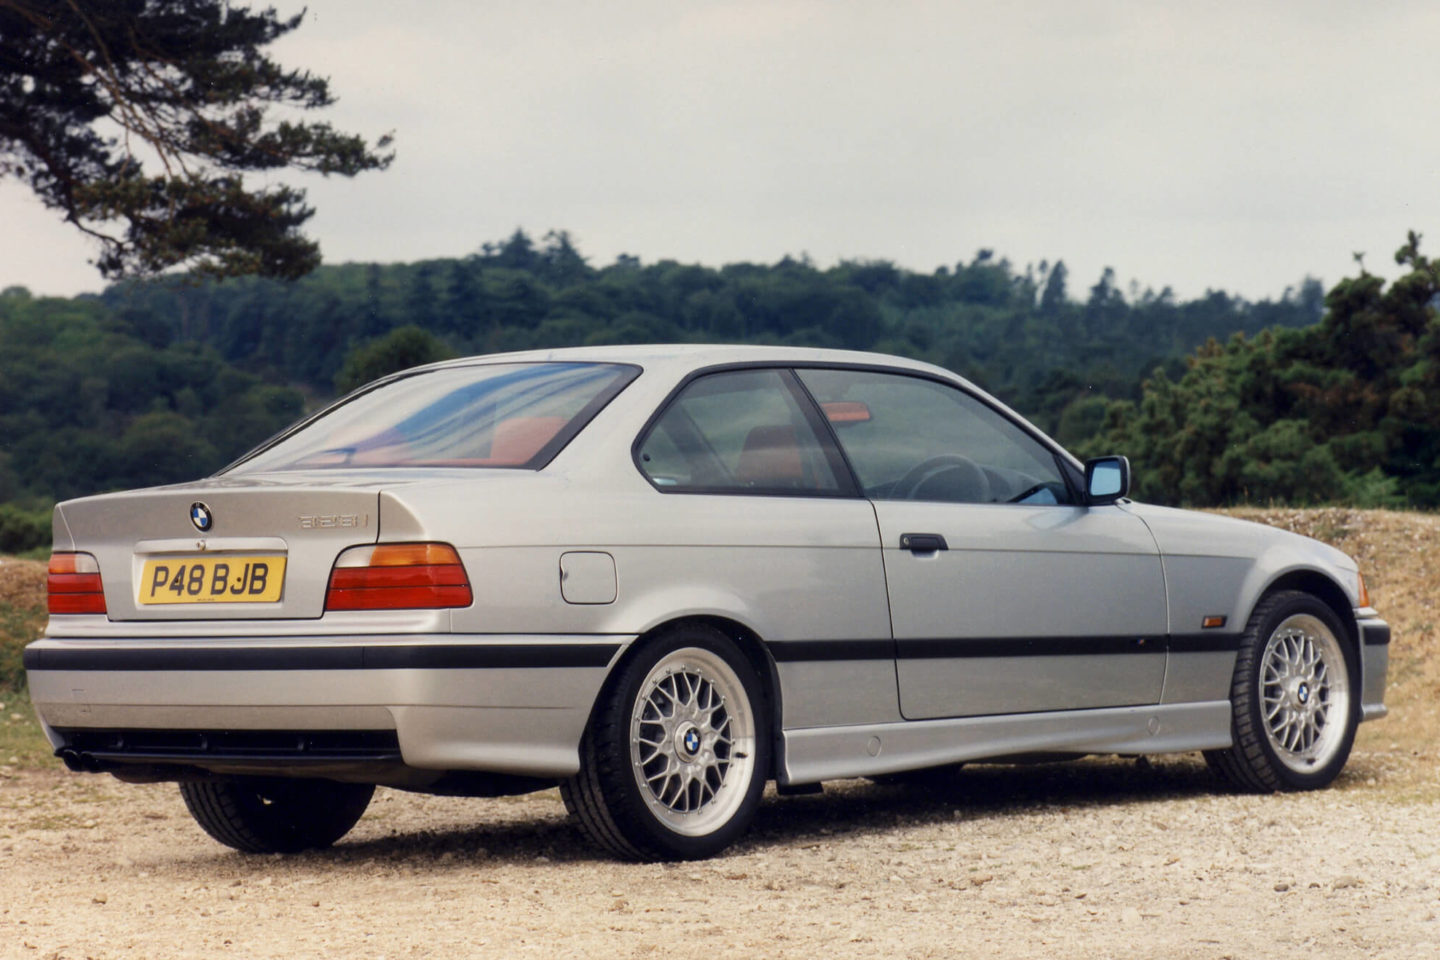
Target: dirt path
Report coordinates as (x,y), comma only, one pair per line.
(1103,858)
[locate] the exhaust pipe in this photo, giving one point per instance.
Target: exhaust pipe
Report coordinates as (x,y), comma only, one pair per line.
(77,761)
(84,762)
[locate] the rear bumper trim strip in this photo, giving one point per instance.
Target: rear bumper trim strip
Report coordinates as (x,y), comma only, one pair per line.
(483,656)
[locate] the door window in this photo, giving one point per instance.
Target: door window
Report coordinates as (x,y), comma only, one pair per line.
(910,438)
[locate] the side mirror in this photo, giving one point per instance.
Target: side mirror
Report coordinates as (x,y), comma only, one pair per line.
(1107,479)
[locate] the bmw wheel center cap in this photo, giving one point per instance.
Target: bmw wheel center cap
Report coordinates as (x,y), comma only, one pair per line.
(201,517)
(687,742)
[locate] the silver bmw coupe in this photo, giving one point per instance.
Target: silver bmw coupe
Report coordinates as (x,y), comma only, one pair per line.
(660,577)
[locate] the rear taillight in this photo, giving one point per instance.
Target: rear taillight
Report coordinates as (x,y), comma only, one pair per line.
(398,576)
(74,584)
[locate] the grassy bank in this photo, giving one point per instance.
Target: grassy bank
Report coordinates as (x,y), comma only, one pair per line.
(22,616)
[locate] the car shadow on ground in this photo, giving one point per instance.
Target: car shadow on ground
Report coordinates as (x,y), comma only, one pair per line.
(523,831)
(979,792)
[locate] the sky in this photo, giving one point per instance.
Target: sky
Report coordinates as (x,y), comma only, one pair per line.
(1204,145)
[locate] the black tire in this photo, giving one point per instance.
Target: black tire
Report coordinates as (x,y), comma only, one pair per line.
(682,785)
(1294,699)
(279,815)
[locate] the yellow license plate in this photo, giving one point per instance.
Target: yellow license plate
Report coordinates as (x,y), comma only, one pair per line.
(212,580)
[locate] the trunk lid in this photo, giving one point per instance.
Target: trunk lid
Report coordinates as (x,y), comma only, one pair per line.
(258,548)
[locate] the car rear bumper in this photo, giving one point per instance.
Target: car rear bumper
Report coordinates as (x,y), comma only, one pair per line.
(504,704)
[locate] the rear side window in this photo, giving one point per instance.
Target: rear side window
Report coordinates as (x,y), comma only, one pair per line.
(741,431)
(487,415)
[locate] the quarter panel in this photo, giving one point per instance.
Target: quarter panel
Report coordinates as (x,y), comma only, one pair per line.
(785,568)
(835,693)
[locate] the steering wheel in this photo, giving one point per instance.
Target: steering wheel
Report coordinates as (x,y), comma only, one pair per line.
(906,487)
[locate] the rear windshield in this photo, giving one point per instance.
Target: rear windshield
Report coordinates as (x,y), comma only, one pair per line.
(486,415)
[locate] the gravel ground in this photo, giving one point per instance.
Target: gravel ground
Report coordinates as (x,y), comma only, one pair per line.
(1100,858)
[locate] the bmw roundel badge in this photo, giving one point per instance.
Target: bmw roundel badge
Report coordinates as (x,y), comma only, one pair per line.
(200,516)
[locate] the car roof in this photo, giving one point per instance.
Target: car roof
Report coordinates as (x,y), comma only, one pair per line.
(691,356)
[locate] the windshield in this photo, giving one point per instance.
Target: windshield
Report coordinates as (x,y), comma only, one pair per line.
(486,415)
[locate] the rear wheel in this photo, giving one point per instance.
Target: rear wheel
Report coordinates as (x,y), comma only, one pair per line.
(257,815)
(1294,707)
(676,756)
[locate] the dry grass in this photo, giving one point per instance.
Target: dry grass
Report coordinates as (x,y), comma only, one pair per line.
(22,583)
(22,617)
(1398,552)
(22,614)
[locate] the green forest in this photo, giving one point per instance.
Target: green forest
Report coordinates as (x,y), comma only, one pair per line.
(1311,397)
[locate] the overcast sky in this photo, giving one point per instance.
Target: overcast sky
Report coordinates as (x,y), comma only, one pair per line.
(1200,145)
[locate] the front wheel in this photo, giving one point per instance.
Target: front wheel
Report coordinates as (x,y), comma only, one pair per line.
(675,757)
(1294,707)
(279,815)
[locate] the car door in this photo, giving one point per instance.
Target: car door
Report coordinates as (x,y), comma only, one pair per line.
(1006,594)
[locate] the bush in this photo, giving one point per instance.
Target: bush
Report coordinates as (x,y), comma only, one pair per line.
(22,531)
(400,349)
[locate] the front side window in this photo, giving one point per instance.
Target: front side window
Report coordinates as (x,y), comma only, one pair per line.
(741,431)
(486,415)
(910,438)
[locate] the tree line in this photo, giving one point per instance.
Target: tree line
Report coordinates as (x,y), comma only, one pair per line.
(1347,410)
(1023,334)
(167,379)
